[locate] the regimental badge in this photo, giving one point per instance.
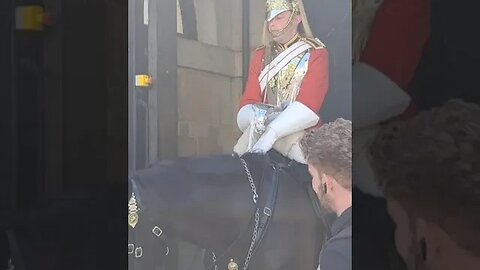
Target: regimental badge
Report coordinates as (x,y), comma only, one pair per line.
(232,265)
(132,211)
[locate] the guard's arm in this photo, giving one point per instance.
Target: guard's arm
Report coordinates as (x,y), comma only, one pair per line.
(395,46)
(252,93)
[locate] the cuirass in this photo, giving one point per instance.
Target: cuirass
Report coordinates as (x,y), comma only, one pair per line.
(284,87)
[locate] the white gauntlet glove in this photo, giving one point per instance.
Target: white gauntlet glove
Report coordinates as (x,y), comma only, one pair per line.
(375,97)
(296,117)
(245,116)
(265,143)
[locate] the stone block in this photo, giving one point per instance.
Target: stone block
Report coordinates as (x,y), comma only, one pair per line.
(209,145)
(183,129)
(238,64)
(257,18)
(226,105)
(187,146)
(198,130)
(237,24)
(199,95)
(224,23)
(200,56)
(236,94)
(227,138)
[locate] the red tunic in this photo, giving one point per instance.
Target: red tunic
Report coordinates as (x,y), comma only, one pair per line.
(397,40)
(314,86)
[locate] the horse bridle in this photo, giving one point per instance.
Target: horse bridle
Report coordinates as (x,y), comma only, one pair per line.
(133,206)
(261,224)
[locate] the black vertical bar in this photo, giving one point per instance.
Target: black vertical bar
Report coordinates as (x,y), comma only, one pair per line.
(166,45)
(131,88)
(7,108)
(189,19)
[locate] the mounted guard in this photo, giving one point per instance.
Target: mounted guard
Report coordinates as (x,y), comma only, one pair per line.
(287,83)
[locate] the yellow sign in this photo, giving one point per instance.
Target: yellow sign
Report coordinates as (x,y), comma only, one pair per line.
(29,18)
(143,80)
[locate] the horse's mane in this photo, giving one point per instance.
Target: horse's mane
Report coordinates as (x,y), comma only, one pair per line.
(214,164)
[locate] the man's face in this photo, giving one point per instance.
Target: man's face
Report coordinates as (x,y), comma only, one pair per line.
(405,238)
(319,185)
(280,29)
(403,234)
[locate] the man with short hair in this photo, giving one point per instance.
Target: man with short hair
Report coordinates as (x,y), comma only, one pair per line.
(428,168)
(328,151)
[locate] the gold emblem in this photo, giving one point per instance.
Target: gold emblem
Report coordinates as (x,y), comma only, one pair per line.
(232,265)
(132,211)
(281,5)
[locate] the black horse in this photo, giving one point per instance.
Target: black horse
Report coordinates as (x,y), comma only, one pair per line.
(209,201)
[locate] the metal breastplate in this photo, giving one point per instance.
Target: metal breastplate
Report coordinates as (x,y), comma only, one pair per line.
(284,87)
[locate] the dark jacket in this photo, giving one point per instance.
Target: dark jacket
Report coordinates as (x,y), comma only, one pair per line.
(337,251)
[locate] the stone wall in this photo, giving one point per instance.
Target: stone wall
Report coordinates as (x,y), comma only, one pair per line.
(210,76)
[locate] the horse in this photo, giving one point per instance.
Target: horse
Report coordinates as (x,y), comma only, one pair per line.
(204,200)
(219,203)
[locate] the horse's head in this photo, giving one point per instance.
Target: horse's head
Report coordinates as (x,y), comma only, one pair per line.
(189,199)
(210,202)
(147,242)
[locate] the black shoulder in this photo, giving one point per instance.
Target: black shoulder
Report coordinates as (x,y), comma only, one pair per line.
(335,259)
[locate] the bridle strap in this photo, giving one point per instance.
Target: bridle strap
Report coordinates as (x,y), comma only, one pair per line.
(240,236)
(269,207)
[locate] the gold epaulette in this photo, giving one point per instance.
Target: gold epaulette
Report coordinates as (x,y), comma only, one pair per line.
(315,42)
(259,48)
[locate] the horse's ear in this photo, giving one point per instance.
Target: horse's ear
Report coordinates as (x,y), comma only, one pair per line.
(130,185)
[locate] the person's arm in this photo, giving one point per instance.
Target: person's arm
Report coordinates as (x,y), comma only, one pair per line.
(397,40)
(316,81)
(395,46)
(252,93)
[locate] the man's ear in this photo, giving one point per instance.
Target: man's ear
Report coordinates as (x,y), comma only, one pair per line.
(329,181)
(429,238)
(297,18)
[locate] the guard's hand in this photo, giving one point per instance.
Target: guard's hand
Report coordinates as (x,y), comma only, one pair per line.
(265,143)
